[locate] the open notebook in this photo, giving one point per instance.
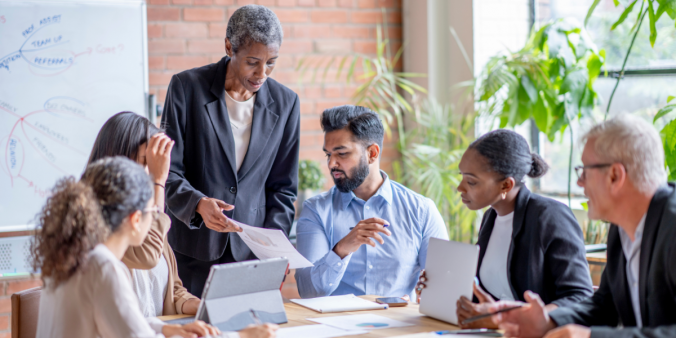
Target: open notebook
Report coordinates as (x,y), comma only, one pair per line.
(339,304)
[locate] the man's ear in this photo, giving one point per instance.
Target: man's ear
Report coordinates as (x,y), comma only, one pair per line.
(617,175)
(373,152)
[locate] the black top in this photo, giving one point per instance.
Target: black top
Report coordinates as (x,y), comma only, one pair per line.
(203,161)
(547,254)
(611,304)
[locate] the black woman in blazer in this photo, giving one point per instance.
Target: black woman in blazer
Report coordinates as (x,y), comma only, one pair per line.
(203,162)
(547,254)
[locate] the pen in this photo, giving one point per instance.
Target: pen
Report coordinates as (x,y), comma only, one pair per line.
(255,317)
(384,226)
(475,318)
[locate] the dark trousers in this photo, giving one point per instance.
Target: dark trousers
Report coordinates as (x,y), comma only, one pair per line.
(194,272)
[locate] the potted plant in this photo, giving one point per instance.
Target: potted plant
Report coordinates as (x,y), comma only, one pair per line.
(310,181)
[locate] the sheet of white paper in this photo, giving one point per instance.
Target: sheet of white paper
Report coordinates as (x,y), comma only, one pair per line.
(340,303)
(316,331)
(360,322)
(271,243)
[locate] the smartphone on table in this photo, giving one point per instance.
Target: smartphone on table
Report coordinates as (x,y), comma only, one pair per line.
(392,301)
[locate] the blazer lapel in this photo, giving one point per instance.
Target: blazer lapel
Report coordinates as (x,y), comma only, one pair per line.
(522,199)
(218,113)
(617,278)
(264,121)
(652,224)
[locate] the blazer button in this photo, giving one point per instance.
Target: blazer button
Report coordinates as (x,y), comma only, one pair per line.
(233,190)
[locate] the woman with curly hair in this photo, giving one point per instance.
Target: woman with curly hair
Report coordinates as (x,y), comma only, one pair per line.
(85,228)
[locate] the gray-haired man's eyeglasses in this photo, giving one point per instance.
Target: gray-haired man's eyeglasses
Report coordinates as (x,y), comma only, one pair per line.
(579,170)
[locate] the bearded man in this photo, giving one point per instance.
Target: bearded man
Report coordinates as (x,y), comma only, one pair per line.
(364,207)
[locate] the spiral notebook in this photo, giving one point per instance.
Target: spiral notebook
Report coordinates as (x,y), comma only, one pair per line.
(339,304)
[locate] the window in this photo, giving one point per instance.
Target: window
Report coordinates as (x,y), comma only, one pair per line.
(650,77)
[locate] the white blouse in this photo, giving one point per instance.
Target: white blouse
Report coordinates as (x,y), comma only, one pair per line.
(98,301)
(151,287)
(241,118)
(493,272)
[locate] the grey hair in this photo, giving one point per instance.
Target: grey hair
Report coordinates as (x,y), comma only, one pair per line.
(635,143)
(253,23)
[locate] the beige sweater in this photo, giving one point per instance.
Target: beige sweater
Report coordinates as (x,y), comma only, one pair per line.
(147,255)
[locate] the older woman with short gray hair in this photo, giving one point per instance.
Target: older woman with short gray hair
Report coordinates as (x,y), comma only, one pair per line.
(235,158)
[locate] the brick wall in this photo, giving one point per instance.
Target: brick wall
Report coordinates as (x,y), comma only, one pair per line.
(189,33)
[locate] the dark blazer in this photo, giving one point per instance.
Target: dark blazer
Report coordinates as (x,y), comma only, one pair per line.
(203,161)
(611,303)
(547,253)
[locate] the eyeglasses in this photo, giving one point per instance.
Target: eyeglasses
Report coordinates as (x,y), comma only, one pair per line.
(579,170)
(155,210)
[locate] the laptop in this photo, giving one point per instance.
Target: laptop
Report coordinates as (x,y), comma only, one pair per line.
(233,290)
(450,268)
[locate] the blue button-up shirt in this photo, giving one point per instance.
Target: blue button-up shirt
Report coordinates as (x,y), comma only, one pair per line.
(389,270)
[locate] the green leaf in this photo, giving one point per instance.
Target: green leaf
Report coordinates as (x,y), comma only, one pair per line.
(624,15)
(594,65)
(653,20)
(529,88)
(664,111)
(541,114)
(575,81)
(617,2)
(669,98)
(591,10)
(585,206)
(669,136)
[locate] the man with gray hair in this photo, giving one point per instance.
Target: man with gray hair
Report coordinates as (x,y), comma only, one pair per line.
(237,135)
(624,178)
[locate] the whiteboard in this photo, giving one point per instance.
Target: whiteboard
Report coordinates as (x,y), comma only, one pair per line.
(65,68)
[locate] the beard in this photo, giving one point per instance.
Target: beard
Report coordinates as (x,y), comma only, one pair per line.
(355,179)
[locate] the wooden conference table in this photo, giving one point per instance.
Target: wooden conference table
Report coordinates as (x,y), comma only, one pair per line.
(297,315)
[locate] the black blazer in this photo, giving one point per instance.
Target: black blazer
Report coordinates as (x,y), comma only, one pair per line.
(611,303)
(547,253)
(203,161)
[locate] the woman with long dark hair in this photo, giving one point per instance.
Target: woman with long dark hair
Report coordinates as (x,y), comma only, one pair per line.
(152,265)
(526,241)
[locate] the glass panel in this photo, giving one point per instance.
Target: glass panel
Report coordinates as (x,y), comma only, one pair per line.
(617,41)
(642,96)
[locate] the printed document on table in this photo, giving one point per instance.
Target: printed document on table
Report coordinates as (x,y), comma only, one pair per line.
(316,331)
(271,243)
(360,322)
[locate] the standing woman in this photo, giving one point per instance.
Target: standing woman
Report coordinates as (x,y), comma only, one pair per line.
(236,151)
(527,242)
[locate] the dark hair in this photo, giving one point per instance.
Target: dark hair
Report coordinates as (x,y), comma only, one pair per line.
(508,154)
(364,123)
(121,187)
(79,215)
(121,135)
